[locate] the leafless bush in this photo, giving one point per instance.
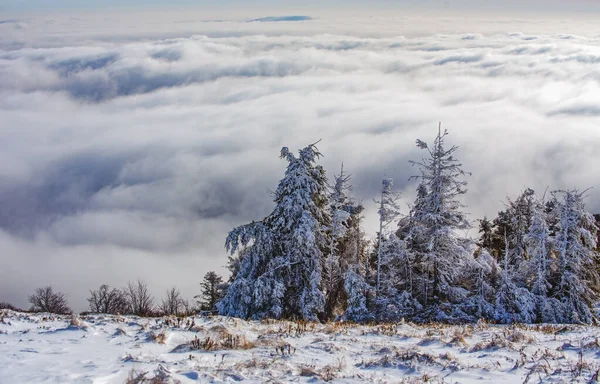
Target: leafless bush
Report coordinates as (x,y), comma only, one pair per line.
(106,300)
(172,304)
(46,300)
(6,305)
(141,302)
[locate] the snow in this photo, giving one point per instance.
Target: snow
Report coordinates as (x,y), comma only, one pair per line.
(45,348)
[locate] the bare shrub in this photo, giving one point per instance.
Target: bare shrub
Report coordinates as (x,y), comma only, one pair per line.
(172,304)
(107,300)
(141,302)
(46,300)
(7,305)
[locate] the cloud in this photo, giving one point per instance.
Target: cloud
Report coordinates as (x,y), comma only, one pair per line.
(281,18)
(129,154)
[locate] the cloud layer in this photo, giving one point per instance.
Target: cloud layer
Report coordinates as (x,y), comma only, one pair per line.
(132,157)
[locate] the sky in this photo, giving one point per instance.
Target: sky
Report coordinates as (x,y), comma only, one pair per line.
(490,5)
(133,141)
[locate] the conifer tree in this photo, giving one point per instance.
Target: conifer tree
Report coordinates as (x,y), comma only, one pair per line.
(482,273)
(212,289)
(441,256)
(538,248)
(574,244)
(388,212)
(341,210)
(279,271)
(513,303)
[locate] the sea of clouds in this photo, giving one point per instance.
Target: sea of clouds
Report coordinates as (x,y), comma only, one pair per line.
(131,143)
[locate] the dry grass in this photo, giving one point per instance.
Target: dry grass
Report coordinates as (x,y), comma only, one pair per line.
(496,342)
(457,339)
(221,340)
(516,335)
(338,328)
(159,337)
(142,377)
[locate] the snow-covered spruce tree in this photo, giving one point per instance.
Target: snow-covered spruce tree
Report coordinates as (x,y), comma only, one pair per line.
(255,289)
(357,291)
(279,271)
(388,212)
(353,251)
(539,264)
(513,304)
(482,275)
(339,204)
(441,255)
(574,244)
(510,228)
(394,299)
(346,243)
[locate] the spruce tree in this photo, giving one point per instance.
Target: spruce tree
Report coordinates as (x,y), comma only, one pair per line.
(211,291)
(279,271)
(441,255)
(340,210)
(574,244)
(538,245)
(388,212)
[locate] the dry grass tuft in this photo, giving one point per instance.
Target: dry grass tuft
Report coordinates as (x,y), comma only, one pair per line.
(457,339)
(516,335)
(496,342)
(159,337)
(222,340)
(141,377)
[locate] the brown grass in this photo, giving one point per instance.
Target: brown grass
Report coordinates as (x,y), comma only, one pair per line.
(159,337)
(222,340)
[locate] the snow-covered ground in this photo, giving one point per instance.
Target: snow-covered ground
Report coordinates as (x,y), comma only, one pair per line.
(45,348)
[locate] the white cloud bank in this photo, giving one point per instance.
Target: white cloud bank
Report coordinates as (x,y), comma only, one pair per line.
(129,153)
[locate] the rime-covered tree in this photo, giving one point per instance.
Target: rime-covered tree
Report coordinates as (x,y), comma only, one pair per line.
(574,244)
(513,303)
(538,244)
(482,274)
(338,201)
(255,290)
(212,290)
(388,212)
(395,297)
(346,243)
(279,272)
(509,229)
(357,291)
(441,255)
(353,250)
